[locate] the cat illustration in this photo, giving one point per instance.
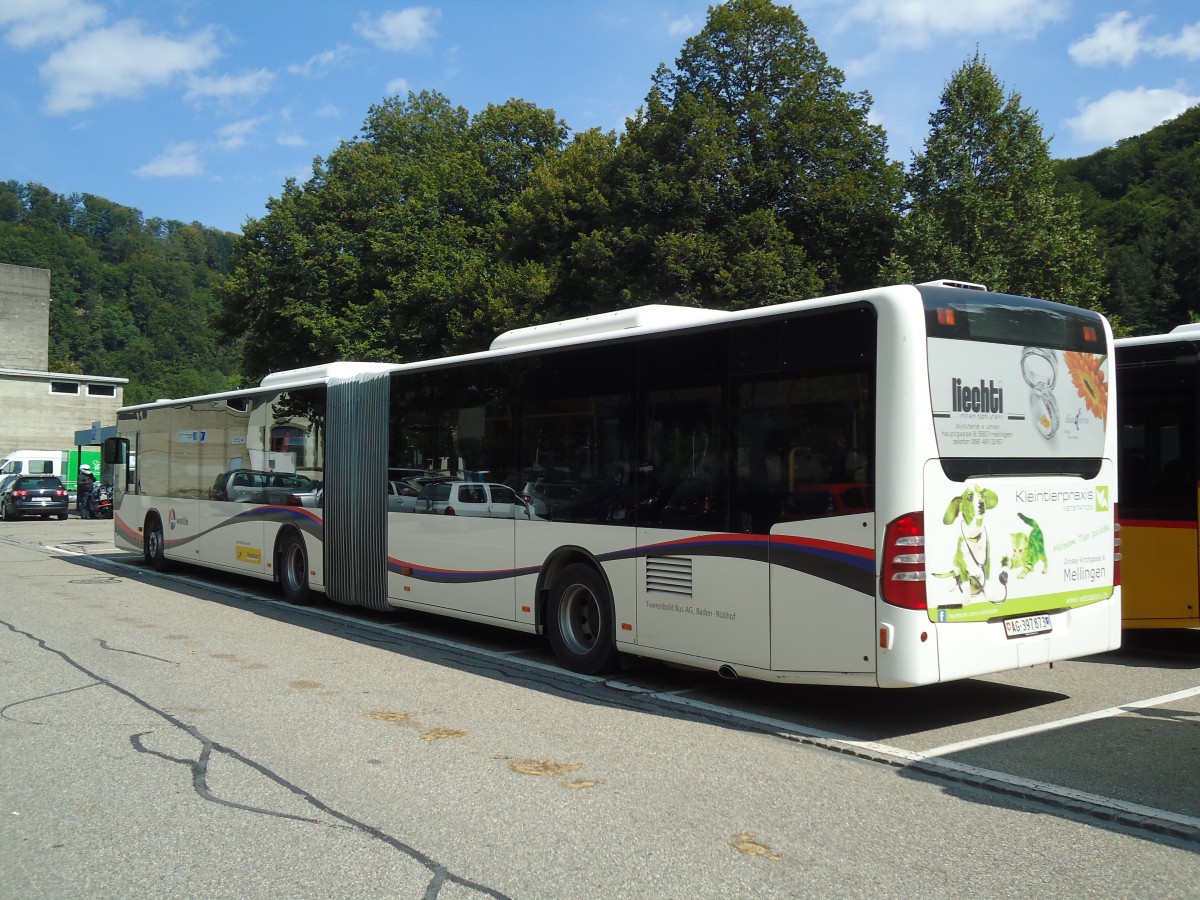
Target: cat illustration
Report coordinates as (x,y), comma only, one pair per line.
(1028,549)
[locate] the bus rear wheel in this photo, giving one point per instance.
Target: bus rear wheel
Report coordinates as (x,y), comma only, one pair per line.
(580,621)
(293,569)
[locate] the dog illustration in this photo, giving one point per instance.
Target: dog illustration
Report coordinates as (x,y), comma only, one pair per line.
(973,554)
(1028,549)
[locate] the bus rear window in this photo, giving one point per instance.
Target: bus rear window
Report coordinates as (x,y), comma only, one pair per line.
(1005,319)
(1017,386)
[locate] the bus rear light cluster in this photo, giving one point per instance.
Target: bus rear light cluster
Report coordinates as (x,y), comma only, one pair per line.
(903,576)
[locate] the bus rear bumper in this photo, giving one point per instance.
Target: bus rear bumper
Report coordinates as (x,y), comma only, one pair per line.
(978,648)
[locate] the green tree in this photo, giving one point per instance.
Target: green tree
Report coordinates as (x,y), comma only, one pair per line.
(982,204)
(752,176)
(391,251)
(131,298)
(1143,198)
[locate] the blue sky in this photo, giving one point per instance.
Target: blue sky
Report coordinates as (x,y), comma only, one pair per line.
(198,110)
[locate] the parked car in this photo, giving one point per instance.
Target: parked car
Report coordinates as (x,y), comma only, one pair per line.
(472,498)
(6,481)
(402,496)
(647,510)
(280,488)
(701,504)
(572,501)
(814,501)
(35,495)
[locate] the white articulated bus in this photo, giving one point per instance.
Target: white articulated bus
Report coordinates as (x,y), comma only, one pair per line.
(891,487)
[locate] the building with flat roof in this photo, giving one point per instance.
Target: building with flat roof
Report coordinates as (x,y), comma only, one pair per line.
(39,409)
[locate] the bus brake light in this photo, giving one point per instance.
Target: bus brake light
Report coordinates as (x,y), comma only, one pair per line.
(903,576)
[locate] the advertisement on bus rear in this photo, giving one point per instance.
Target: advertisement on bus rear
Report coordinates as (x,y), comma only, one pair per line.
(1012,401)
(999,547)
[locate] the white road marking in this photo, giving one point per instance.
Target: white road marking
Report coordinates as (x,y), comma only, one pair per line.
(1133,706)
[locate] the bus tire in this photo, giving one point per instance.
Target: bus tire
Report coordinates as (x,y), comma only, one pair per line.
(154,544)
(580,621)
(293,569)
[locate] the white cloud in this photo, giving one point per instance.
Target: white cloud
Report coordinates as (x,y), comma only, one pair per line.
(178,160)
(1121,39)
(917,23)
(235,135)
(1185,44)
(397,87)
(328,111)
(682,27)
(1123,114)
(290,140)
(30,22)
(121,61)
(316,66)
(229,87)
(1117,39)
(404,29)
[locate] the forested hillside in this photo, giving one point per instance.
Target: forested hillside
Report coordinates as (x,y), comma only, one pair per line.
(131,297)
(1143,198)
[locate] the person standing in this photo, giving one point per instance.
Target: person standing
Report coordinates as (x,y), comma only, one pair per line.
(83,491)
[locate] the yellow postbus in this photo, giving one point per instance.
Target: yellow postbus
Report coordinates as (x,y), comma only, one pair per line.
(1157,410)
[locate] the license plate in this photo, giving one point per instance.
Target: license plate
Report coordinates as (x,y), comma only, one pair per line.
(1026,626)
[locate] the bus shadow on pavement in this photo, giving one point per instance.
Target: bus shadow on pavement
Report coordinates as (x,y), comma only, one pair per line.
(1105,759)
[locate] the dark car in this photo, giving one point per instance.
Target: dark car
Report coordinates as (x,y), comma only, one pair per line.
(642,505)
(35,495)
(6,482)
(813,501)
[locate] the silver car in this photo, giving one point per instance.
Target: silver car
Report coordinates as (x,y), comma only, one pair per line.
(472,498)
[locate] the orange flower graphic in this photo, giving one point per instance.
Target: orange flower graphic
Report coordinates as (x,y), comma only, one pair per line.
(1089,381)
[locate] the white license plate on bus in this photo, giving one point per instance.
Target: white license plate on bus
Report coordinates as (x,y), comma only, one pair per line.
(1027,625)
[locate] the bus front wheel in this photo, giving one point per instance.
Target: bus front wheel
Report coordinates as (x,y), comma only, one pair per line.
(293,569)
(580,621)
(154,545)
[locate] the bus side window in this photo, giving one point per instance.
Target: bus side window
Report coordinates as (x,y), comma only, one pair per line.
(804,413)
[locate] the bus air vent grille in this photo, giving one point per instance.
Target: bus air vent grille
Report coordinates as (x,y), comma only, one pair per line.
(669,575)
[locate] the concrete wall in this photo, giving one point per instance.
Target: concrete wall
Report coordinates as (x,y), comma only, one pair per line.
(36,414)
(42,410)
(24,317)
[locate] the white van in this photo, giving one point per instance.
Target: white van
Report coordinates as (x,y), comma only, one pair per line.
(62,463)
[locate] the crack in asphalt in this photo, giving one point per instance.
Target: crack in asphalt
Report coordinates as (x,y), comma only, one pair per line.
(104,645)
(440,875)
